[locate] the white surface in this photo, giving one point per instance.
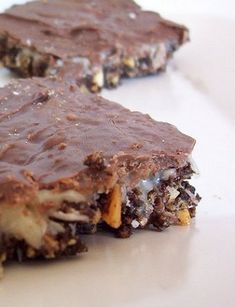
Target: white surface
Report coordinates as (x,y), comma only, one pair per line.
(192,266)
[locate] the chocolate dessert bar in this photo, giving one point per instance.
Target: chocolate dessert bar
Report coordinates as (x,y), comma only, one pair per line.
(72,162)
(94,43)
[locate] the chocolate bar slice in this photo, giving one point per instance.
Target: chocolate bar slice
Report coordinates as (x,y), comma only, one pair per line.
(94,43)
(72,162)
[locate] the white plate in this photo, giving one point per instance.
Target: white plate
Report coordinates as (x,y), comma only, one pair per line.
(183,266)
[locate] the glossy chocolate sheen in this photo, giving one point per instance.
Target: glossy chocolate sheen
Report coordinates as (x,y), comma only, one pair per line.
(91,29)
(53,136)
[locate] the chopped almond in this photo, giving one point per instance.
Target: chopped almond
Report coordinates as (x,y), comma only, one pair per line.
(184,217)
(112,216)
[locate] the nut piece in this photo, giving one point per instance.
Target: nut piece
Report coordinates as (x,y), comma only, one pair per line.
(72,242)
(112,216)
(113,79)
(51,246)
(83,88)
(129,62)
(3,258)
(30,252)
(184,217)
(98,79)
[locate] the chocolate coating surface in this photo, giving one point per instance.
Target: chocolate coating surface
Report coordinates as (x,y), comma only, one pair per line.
(53,136)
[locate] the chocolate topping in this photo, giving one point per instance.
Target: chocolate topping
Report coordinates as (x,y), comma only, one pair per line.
(54,136)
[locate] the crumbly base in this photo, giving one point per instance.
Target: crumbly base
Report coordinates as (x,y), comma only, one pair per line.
(160,201)
(164,210)
(67,243)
